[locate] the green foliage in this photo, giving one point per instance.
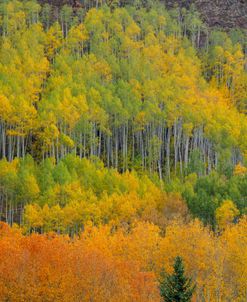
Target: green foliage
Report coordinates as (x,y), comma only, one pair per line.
(130,88)
(176,287)
(113,82)
(196,164)
(210,191)
(61,174)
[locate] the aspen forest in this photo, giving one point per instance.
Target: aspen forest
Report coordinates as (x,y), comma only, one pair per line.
(123,153)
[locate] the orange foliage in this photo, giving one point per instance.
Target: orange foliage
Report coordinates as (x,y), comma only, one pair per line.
(111,264)
(55,268)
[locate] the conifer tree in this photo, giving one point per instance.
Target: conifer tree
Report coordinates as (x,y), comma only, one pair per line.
(176,287)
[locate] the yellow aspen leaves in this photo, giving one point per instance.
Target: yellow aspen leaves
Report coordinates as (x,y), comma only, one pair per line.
(240,170)
(226,214)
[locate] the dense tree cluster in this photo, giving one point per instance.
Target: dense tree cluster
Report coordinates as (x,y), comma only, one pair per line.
(126,85)
(116,265)
(65,197)
(121,124)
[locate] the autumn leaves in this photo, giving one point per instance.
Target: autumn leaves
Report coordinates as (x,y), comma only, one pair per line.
(124,85)
(113,265)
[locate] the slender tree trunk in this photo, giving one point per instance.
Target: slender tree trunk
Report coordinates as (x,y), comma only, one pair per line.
(168,140)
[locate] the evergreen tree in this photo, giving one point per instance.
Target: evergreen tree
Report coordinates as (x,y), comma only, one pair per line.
(176,287)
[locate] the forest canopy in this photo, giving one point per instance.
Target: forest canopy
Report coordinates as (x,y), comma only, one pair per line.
(123,145)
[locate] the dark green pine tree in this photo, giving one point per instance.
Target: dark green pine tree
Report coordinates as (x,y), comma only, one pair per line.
(176,287)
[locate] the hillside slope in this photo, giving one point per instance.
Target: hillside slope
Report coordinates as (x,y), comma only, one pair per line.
(221,13)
